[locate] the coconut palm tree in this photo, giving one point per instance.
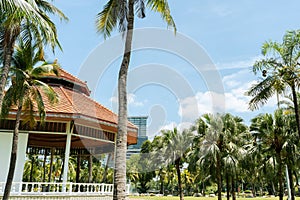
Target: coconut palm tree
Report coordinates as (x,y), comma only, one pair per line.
(120,14)
(25,94)
(29,21)
(280,69)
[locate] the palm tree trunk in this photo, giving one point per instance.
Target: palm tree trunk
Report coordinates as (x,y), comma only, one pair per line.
(296,107)
(177,165)
(90,168)
(8,49)
(13,155)
(121,141)
(233,188)
(297,182)
(51,166)
(161,181)
(219,177)
(78,168)
(106,169)
(31,170)
(273,187)
(291,183)
(253,190)
(227,187)
(280,177)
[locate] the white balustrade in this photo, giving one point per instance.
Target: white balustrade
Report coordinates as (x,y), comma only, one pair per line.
(43,188)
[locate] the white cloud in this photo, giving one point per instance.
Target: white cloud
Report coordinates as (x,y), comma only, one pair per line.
(131,100)
(243,64)
(233,100)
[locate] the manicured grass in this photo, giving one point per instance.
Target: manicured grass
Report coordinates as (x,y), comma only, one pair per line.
(202,198)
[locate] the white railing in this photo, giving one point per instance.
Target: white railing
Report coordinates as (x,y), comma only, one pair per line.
(42,188)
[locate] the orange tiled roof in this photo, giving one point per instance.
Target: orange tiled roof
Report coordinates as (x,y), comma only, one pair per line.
(69,78)
(74,103)
(66,75)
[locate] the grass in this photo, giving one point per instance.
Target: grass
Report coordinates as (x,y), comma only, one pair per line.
(201,198)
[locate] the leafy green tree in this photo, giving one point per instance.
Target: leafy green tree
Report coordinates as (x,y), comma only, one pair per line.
(117,13)
(25,94)
(280,69)
(27,20)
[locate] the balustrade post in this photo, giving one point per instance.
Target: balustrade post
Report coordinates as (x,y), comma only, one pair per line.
(20,188)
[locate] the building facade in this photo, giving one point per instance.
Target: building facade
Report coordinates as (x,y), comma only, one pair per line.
(141,123)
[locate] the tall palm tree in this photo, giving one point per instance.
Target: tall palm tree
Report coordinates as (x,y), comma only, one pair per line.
(280,67)
(177,145)
(25,94)
(119,13)
(29,21)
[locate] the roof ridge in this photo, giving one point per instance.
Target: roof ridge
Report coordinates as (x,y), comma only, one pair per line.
(68,98)
(75,77)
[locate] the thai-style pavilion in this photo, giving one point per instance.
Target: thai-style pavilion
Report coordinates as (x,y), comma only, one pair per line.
(75,125)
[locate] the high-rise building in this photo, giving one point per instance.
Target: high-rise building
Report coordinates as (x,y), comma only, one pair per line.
(141,123)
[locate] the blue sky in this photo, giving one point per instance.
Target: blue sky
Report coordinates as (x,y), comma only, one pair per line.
(229,32)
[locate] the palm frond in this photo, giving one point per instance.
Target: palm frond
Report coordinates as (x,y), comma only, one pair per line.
(11,5)
(268,64)
(108,18)
(271,48)
(140,8)
(50,8)
(261,92)
(162,7)
(48,91)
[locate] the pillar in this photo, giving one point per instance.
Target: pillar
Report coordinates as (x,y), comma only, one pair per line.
(67,155)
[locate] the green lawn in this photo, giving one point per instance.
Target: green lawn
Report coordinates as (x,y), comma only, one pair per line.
(201,198)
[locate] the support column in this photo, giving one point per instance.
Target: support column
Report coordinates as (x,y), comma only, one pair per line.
(67,155)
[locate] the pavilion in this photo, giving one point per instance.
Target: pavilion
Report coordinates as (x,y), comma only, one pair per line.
(75,125)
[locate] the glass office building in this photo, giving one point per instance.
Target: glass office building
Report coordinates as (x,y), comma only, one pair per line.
(141,123)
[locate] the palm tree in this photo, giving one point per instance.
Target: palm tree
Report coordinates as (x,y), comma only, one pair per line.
(25,93)
(117,13)
(176,146)
(28,20)
(280,67)
(220,144)
(274,133)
